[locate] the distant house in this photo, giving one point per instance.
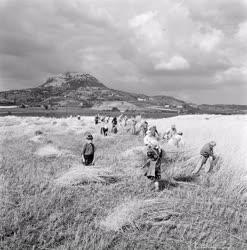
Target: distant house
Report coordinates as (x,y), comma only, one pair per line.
(23,106)
(167,106)
(179,106)
(141,99)
(193,105)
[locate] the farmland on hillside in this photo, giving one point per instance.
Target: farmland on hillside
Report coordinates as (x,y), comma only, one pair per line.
(48,200)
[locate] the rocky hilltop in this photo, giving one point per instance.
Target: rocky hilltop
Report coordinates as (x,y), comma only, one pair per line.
(76,89)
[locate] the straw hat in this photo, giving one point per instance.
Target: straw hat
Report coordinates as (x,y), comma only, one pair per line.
(89,137)
(212,143)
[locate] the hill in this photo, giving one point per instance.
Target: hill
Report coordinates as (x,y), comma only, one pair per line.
(75,89)
(84,90)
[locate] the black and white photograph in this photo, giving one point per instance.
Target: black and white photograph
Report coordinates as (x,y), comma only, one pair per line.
(123,124)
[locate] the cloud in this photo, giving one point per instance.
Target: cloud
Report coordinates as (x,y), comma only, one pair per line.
(152,47)
(241,34)
(175,63)
(234,76)
(208,41)
(142,19)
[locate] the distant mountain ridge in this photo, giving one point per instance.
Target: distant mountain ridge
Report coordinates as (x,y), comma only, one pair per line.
(72,80)
(74,88)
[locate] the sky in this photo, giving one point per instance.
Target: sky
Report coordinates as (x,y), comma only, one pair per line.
(195,50)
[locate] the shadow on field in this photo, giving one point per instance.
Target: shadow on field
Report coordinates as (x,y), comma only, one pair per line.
(110,179)
(185,178)
(166,184)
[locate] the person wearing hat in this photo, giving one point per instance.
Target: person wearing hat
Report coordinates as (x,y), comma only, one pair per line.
(88,151)
(206,152)
(144,128)
(96,119)
(154,157)
(133,126)
(170,133)
(177,140)
(104,129)
(153,130)
(114,129)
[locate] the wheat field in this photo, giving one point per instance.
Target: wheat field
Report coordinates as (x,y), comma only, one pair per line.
(48,200)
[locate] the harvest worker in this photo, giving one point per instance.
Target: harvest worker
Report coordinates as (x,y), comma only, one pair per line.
(177,140)
(88,151)
(104,129)
(170,133)
(125,119)
(144,128)
(154,131)
(114,129)
(133,126)
(206,152)
(96,119)
(114,121)
(154,155)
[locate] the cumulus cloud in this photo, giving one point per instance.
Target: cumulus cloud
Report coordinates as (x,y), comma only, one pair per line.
(163,46)
(241,34)
(234,75)
(175,63)
(208,40)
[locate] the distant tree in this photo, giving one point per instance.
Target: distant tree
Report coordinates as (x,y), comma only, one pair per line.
(115,109)
(50,79)
(67,74)
(22,106)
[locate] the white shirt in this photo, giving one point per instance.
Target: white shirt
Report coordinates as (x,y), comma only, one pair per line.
(151,140)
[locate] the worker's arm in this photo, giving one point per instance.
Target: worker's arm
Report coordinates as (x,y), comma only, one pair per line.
(82,153)
(146,141)
(211,153)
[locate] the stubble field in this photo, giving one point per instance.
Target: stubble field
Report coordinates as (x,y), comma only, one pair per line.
(48,200)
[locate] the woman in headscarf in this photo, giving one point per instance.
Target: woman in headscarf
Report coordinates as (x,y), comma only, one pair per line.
(154,155)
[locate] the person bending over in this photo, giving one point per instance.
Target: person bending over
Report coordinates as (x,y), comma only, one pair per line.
(206,152)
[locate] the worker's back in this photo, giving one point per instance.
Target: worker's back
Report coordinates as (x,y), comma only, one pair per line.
(206,150)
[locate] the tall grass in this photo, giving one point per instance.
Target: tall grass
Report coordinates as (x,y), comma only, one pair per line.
(188,213)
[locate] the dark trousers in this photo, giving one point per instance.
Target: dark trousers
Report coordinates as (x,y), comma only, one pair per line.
(88,159)
(153,171)
(104,131)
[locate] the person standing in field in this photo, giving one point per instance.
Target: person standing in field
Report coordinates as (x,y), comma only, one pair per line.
(96,119)
(114,121)
(154,155)
(177,140)
(114,129)
(144,128)
(104,129)
(170,133)
(133,126)
(88,151)
(206,152)
(153,130)
(120,118)
(125,119)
